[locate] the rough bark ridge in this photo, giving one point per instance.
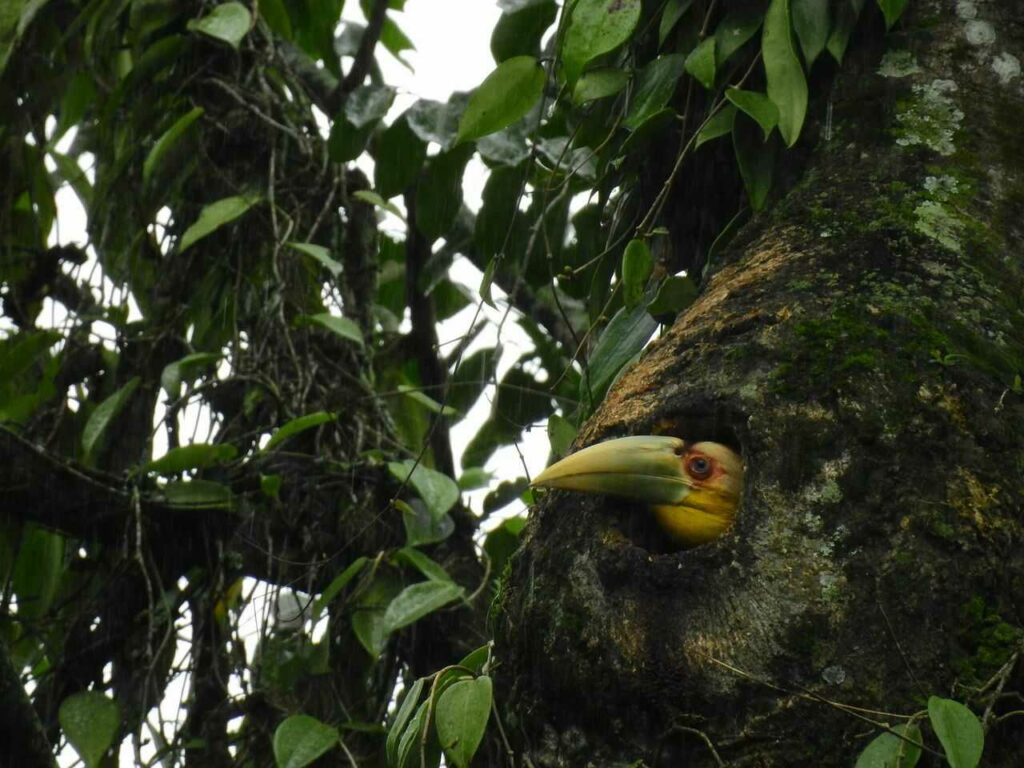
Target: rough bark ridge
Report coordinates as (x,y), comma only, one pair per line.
(862,346)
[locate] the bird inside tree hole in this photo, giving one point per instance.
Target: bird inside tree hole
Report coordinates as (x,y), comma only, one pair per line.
(674,492)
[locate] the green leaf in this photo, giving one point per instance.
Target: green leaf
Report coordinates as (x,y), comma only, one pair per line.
(417,600)
(409,747)
(506,95)
(757,106)
(228,22)
(719,125)
(339,326)
(502,542)
(104,414)
(787,86)
(163,146)
(296,425)
(888,750)
(475,477)
(275,14)
(674,295)
(439,194)
(461,718)
(15,16)
(197,494)
(214,216)
(962,736)
(626,334)
(596,27)
(561,433)
(655,85)
(372,198)
(436,121)
(422,527)
(350,130)
(193,456)
(397,727)
(368,618)
(301,739)
(811,20)
(599,84)
(90,721)
(733,32)
(173,373)
(701,63)
(756,160)
(506,492)
(438,491)
(426,401)
(71,172)
(270,485)
(846,13)
(637,265)
(398,159)
(337,584)
(418,560)
(320,254)
(891,9)
(670,16)
(37,571)
(519,30)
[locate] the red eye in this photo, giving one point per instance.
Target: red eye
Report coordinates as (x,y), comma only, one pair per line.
(699,467)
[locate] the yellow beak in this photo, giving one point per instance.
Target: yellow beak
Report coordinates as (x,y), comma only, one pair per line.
(645,467)
(693,488)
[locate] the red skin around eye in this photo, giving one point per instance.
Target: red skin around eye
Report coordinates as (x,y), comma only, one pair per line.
(692,467)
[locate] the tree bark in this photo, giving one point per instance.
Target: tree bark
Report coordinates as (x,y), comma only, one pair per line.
(862,345)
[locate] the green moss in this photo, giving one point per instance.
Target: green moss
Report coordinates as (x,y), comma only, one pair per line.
(989,640)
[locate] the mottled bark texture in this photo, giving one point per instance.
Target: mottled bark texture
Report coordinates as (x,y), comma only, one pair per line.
(861,345)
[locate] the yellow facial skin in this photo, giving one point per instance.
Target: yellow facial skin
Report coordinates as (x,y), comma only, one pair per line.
(693,488)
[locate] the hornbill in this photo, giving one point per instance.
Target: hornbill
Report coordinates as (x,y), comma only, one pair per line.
(693,488)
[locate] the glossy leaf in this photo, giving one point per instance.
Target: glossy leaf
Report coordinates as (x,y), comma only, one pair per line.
(417,600)
(437,121)
(422,563)
(719,125)
(561,433)
(396,729)
(637,265)
(103,416)
(626,334)
(166,143)
(214,216)
(319,254)
(674,295)
(757,106)
(426,401)
(519,29)
(398,159)
(194,456)
(421,526)
(701,63)
(300,739)
(339,326)
(844,20)
(461,718)
(197,494)
(14,20)
(599,84)
(655,85)
(90,721)
(787,87)
(438,491)
(506,95)
(173,373)
(892,10)
(734,31)
(888,750)
(439,194)
(370,197)
(756,160)
(227,22)
(297,425)
(670,16)
(959,730)
(38,567)
(596,27)
(812,22)
(351,129)
(337,584)
(368,622)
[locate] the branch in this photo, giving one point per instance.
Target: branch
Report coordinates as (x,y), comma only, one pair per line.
(22,741)
(364,56)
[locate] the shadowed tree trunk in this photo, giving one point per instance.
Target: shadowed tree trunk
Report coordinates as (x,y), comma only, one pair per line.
(862,345)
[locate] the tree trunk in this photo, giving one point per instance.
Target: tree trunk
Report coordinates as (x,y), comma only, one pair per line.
(862,344)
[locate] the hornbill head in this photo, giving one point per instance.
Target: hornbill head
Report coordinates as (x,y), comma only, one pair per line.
(693,488)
